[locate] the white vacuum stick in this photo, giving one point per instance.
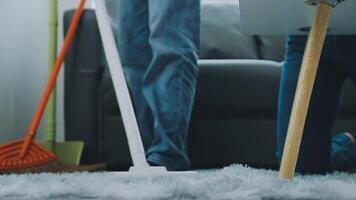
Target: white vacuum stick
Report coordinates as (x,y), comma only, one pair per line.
(123,97)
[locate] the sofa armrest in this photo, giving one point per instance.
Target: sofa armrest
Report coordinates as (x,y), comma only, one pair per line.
(83,68)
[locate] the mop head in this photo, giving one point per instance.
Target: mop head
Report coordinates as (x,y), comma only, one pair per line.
(231,183)
(56,166)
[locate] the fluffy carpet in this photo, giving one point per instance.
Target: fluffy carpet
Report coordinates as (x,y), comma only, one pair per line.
(234,182)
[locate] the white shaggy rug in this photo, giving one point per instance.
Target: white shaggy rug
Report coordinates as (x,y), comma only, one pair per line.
(234,182)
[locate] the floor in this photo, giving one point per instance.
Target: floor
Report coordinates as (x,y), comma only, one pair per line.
(233,182)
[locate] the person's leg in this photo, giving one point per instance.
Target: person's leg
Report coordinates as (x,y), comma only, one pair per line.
(170,81)
(343,152)
(314,156)
(135,52)
(343,149)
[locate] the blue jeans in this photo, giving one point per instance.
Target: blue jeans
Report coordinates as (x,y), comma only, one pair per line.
(158,41)
(336,65)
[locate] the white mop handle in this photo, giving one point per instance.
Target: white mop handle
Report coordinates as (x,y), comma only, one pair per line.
(122,93)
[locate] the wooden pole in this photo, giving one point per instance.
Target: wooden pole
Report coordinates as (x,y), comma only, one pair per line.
(304,90)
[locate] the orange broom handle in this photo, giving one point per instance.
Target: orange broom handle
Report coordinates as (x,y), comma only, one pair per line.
(52,80)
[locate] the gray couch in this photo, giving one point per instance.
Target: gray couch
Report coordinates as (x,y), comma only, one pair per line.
(234,117)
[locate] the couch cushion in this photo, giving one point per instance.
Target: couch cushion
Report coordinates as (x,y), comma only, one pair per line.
(242,88)
(271,47)
(221,37)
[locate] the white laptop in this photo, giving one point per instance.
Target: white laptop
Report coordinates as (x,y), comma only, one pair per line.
(280,17)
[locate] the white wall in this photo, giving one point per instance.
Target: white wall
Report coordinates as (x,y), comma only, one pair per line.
(24,30)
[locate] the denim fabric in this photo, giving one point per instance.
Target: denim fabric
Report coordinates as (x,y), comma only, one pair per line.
(343,152)
(158,42)
(336,65)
